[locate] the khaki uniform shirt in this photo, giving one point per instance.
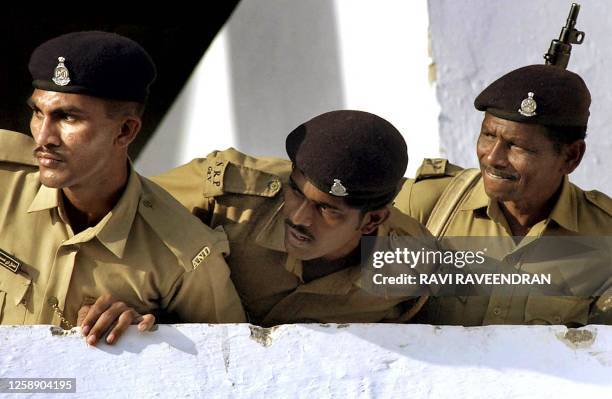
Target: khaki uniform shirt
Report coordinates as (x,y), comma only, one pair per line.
(147,251)
(244,195)
(576,213)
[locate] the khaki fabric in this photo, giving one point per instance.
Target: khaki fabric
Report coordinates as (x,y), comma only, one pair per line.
(576,213)
(147,251)
(244,195)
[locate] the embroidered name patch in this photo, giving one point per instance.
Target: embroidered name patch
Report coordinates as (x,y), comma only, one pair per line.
(9,262)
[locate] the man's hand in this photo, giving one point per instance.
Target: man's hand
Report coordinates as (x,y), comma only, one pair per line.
(108,313)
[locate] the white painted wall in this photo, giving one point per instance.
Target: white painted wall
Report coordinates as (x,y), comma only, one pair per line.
(476,41)
(312,361)
(277,63)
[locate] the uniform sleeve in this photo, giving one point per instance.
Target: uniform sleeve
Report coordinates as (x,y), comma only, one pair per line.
(205,295)
(186,185)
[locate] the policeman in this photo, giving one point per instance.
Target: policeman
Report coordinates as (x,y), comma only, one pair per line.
(78,226)
(531,139)
(295,226)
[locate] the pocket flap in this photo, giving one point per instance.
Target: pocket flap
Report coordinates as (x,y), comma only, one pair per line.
(15,285)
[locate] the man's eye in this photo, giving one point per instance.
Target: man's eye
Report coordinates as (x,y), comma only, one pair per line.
(68,118)
(521,148)
(326,210)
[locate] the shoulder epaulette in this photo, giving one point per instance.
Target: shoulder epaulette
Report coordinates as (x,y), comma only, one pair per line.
(231,171)
(436,167)
(17,148)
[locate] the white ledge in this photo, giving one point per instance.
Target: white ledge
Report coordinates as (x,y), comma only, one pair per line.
(313,360)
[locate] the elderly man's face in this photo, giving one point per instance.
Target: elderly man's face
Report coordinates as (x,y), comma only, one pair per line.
(519,162)
(75,138)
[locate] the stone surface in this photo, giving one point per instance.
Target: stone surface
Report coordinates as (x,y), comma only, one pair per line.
(311,360)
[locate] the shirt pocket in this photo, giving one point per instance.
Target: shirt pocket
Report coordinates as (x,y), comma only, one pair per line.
(13,290)
(565,310)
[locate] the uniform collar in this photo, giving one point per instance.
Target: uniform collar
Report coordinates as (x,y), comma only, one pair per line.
(113,230)
(477,198)
(564,213)
(46,198)
(272,234)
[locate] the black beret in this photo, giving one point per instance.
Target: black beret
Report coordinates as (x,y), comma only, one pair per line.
(540,94)
(350,154)
(99,64)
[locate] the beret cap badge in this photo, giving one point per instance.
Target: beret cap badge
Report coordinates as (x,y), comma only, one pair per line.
(61,77)
(338,189)
(528,106)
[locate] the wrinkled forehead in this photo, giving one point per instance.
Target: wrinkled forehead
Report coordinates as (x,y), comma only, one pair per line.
(525,131)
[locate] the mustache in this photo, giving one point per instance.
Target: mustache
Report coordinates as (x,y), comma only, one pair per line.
(500,172)
(300,229)
(44,151)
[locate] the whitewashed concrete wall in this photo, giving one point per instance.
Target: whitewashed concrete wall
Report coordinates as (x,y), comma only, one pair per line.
(277,63)
(311,361)
(476,41)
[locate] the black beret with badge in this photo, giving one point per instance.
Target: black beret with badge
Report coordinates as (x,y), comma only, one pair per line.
(547,94)
(351,154)
(100,64)
(540,94)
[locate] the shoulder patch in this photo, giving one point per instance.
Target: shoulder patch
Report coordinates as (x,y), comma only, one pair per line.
(17,148)
(436,167)
(600,200)
(199,258)
(233,172)
(191,241)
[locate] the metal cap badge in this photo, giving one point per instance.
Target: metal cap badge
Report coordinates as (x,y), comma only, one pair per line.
(338,189)
(528,106)
(61,77)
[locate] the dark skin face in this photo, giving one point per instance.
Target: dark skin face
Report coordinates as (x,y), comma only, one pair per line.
(521,168)
(81,150)
(320,225)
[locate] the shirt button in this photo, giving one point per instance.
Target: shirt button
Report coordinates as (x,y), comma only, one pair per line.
(53,301)
(274,185)
(497,311)
(147,203)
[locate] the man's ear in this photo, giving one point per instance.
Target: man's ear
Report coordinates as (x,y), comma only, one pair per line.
(373,219)
(573,154)
(130,127)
